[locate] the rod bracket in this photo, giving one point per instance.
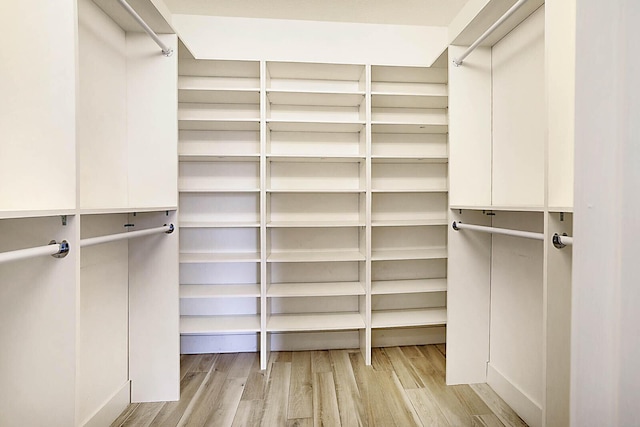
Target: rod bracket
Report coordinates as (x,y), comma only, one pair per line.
(455,226)
(64,249)
(170,230)
(557,242)
(63,218)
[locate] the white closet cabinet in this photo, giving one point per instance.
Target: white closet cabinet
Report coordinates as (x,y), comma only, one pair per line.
(313,201)
(509,297)
(87,334)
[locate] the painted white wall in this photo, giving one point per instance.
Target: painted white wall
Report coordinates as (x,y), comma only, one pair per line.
(37,112)
(211,37)
(605,368)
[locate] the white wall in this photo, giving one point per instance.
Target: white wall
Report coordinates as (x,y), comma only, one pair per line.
(210,37)
(605,369)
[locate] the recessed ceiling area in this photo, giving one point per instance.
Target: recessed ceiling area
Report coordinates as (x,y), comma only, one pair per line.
(396,12)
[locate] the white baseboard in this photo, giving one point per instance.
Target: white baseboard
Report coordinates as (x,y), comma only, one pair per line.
(408,336)
(520,402)
(197,344)
(111,409)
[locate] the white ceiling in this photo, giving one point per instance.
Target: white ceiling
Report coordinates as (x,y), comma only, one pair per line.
(398,12)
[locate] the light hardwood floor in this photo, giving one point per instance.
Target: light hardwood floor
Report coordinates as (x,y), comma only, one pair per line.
(405,386)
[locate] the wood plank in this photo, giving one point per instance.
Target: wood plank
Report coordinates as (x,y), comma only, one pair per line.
(284,356)
(360,372)
(379,412)
(426,408)
(435,357)
(300,422)
(248,414)
(442,348)
(172,412)
(300,389)
(399,403)
(499,407)
(187,362)
(325,402)
(124,415)
(143,414)
(411,351)
(228,403)
(379,360)
(470,399)
(256,384)
(350,406)
(403,368)
(490,420)
(204,363)
(243,364)
(275,407)
(320,362)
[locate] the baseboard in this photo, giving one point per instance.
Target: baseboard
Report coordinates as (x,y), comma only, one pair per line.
(197,344)
(111,409)
(520,402)
(408,336)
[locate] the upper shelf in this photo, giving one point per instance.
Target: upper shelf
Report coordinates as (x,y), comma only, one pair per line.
(333,98)
(158,20)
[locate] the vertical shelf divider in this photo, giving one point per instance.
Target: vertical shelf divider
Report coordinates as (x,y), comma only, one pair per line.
(368,209)
(265,345)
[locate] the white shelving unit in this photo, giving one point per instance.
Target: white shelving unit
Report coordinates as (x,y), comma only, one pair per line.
(339,206)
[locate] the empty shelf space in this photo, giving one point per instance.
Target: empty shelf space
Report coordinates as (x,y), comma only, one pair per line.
(315,322)
(226,124)
(410,190)
(408,127)
(218,224)
(314,224)
(211,325)
(219,291)
(436,99)
(199,258)
(315,126)
(402,254)
(388,287)
(315,158)
(217,190)
(408,222)
(407,318)
(315,289)
(316,190)
(219,157)
(315,256)
(409,159)
(317,98)
(205,95)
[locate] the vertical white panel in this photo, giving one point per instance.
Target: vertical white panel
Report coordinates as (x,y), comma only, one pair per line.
(37,112)
(519,115)
(37,326)
(102,110)
(152,127)
(468,300)
(470,129)
(560,27)
(154,361)
(103,324)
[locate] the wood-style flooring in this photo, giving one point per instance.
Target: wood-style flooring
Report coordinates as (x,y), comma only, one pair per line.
(404,386)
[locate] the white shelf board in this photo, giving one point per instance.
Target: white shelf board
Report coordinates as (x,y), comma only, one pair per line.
(317,190)
(219,190)
(211,325)
(320,289)
(106,211)
(315,256)
(561,209)
(409,190)
(217,96)
(405,100)
(316,98)
(387,127)
(314,224)
(219,157)
(148,11)
(388,287)
(222,124)
(408,222)
(408,318)
(405,254)
(202,258)
(500,208)
(314,158)
(409,159)
(315,126)
(315,322)
(219,291)
(219,224)
(36,213)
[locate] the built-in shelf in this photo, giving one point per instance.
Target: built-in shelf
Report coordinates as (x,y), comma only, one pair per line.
(315,256)
(211,325)
(408,318)
(219,291)
(317,190)
(219,157)
(314,224)
(412,286)
(198,258)
(199,90)
(315,126)
(438,99)
(409,190)
(106,211)
(315,322)
(406,254)
(393,127)
(408,222)
(314,158)
(38,213)
(320,289)
(315,98)
(218,190)
(410,159)
(219,224)
(186,123)
(501,208)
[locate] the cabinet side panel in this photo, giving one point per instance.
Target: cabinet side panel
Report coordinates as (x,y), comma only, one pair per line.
(470,129)
(152,126)
(37,112)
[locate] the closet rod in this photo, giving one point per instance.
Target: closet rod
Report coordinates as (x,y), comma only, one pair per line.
(55,249)
(560,241)
(493,230)
(168,229)
(166,50)
(460,59)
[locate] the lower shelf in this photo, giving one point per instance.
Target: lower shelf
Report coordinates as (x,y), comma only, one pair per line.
(219,291)
(212,325)
(315,322)
(408,318)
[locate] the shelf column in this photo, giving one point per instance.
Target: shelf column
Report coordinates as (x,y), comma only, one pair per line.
(265,343)
(368,207)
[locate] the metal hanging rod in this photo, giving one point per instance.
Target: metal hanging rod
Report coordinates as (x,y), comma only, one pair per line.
(560,241)
(166,50)
(493,230)
(460,59)
(55,249)
(168,229)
